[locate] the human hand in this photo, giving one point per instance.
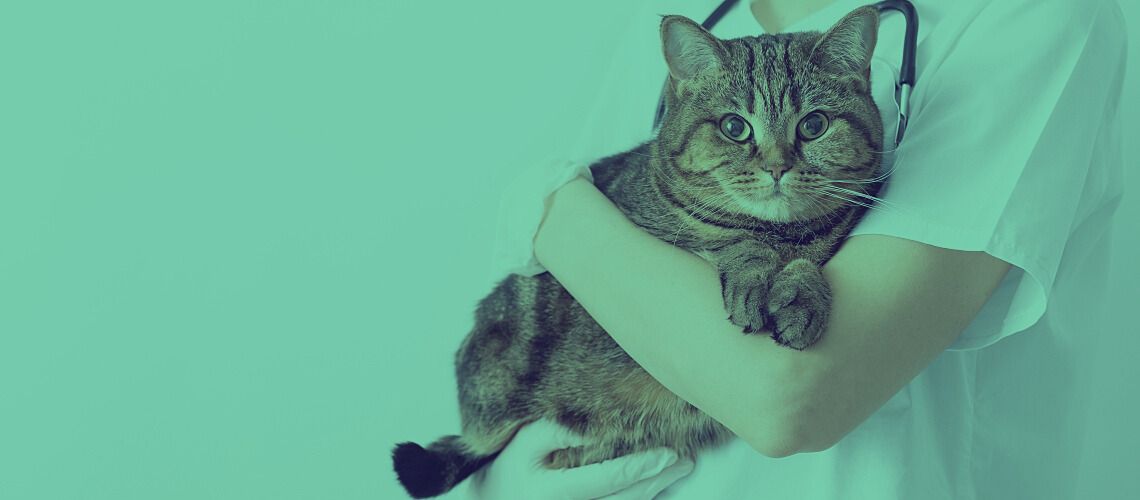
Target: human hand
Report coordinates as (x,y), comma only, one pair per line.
(518,471)
(522,209)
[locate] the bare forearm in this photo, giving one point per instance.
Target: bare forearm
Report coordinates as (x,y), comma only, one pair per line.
(896,304)
(669,299)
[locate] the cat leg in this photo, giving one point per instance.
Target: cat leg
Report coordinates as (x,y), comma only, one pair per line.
(566,458)
(800,302)
(746,268)
(577,456)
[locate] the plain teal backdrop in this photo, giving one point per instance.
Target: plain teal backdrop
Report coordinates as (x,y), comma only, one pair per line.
(241,240)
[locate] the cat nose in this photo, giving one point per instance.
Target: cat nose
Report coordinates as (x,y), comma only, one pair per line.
(777,170)
(774,158)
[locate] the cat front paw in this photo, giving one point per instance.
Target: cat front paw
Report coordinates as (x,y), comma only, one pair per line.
(746,268)
(799,303)
(745,301)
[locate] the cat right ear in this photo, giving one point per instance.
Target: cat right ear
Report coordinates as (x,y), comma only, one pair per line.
(847,47)
(689,49)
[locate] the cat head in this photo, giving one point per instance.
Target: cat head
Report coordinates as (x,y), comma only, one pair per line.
(780,127)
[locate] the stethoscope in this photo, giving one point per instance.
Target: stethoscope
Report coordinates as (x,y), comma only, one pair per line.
(903,87)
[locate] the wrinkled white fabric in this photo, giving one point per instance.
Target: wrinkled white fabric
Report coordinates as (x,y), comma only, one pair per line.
(1013,149)
(520,211)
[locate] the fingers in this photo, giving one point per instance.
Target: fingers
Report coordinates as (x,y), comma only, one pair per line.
(610,476)
(648,488)
(543,436)
(519,469)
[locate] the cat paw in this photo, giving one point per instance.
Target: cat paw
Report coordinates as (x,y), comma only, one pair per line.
(744,300)
(799,302)
(746,269)
(566,458)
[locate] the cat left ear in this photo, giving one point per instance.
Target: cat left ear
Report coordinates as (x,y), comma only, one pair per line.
(689,49)
(846,48)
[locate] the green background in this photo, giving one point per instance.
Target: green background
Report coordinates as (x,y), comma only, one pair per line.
(241,240)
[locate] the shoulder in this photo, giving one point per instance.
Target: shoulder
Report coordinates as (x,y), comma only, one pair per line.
(1005,24)
(1000,46)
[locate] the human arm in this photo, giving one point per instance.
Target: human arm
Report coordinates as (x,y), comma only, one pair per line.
(896,305)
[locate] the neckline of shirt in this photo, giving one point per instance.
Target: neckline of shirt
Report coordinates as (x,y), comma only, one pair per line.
(739,20)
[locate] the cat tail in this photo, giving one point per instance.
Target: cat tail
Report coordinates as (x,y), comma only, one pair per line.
(435,470)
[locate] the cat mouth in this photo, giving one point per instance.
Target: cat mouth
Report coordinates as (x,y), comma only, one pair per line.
(771,198)
(770,204)
(771,192)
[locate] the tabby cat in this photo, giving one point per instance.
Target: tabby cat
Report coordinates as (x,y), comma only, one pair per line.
(767,156)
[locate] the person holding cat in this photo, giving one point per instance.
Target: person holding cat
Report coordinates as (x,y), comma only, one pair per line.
(959,303)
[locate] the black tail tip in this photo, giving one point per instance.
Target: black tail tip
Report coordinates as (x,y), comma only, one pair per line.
(420,471)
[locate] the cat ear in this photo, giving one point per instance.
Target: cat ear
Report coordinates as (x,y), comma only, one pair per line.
(689,49)
(846,48)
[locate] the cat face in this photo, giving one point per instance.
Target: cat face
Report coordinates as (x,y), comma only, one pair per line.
(780,127)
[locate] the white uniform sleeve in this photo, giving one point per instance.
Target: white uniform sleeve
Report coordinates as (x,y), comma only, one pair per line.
(590,133)
(625,97)
(1001,151)
(520,211)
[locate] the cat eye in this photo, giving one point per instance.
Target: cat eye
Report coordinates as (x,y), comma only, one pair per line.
(735,127)
(812,126)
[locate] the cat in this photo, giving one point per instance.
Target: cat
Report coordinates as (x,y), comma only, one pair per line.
(768,155)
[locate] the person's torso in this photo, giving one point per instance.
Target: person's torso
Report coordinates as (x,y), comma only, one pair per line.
(968,422)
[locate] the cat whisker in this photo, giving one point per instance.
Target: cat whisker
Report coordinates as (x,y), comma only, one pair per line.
(856,201)
(853,202)
(818,203)
(809,196)
(655,157)
(671,178)
(861,195)
(845,195)
(721,200)
(851,192)
(704,203)
(874,180)
(677,233)
(878,178)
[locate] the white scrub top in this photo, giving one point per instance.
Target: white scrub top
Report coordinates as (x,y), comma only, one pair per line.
(1012,149)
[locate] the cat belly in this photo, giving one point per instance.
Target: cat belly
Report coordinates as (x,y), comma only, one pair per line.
(516,367)
(619,408)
